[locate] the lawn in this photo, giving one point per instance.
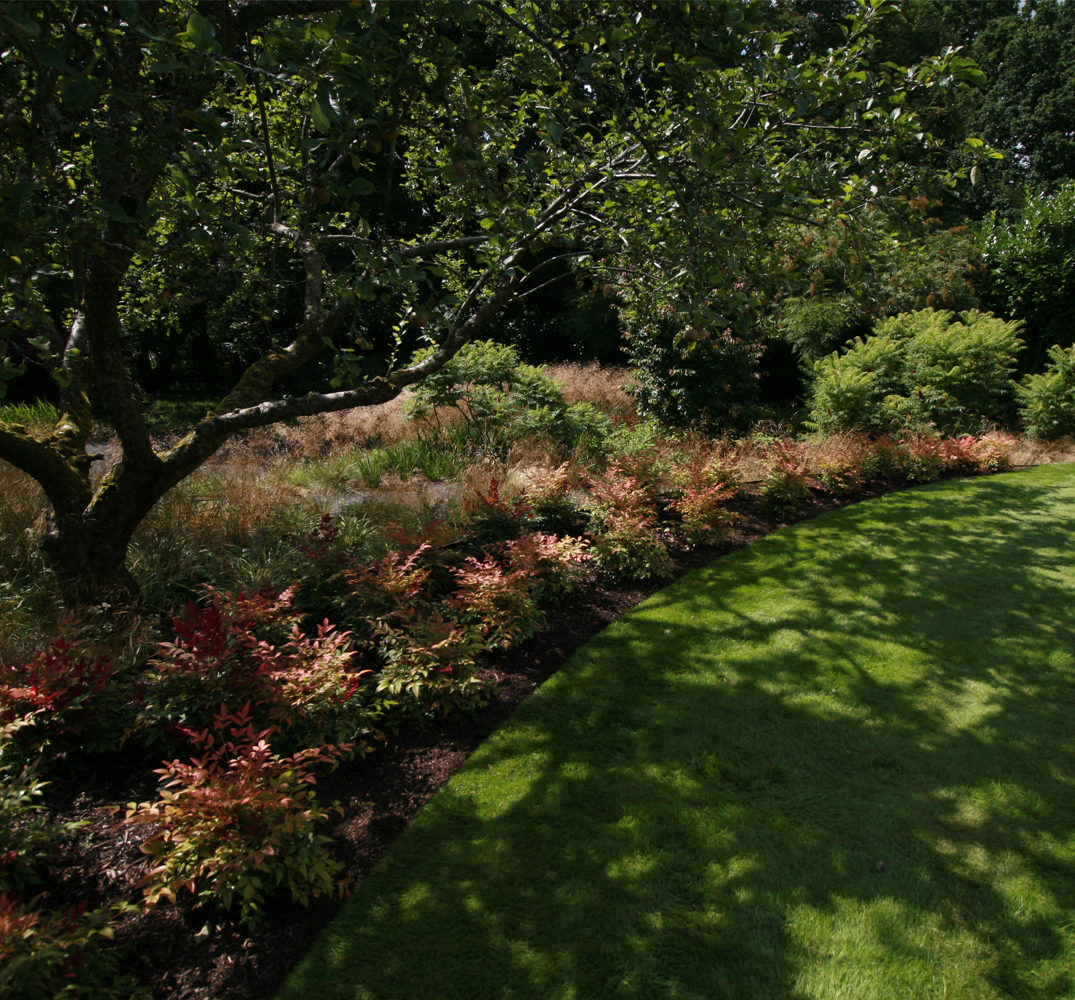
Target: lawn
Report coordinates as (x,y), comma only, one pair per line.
(835,764)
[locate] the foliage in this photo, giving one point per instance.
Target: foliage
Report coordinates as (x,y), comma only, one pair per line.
(238,821)
(700,502)
(300,195)
(624,527)
(1027,105)
(1047,399)
(551,566)
(27,831)
(496,600)
(786,486)
(65,698)
(239,646)
(1030,274)
(845,461)
(882,264)
(927,368)
(693,376)
(548,495)
(429,662)
(60,954)
(500,400)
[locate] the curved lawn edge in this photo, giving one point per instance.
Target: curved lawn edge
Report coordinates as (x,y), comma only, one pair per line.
(836,763)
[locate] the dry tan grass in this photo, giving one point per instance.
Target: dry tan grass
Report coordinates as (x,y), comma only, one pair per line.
(601,385)
(1029,451)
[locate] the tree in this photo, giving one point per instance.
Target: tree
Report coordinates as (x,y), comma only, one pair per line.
(433,160)
(1028,106)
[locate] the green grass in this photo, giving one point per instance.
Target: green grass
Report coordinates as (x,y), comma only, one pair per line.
(836,764)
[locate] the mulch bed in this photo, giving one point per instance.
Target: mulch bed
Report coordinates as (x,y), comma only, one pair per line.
(201,955)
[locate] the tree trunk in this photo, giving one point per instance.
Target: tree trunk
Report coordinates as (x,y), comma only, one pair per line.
(90,560)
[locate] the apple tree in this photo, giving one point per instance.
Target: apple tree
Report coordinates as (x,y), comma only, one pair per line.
(437,161)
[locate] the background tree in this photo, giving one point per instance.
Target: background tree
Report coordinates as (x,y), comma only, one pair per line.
(428,162)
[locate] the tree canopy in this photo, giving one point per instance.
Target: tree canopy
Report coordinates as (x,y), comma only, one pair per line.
(292,170)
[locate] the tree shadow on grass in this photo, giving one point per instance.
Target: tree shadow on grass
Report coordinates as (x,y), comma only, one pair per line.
(837,764)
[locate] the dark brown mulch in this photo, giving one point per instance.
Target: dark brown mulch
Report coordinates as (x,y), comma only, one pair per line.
(203,956)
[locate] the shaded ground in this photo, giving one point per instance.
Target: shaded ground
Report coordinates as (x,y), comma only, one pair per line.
(201,956)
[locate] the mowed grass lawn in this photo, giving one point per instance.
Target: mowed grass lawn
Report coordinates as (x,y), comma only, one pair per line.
(839,763)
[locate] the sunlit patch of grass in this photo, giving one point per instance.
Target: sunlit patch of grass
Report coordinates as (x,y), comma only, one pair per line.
(38,416)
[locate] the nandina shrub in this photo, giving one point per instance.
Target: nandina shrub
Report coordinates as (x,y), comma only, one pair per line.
(28,833)
(491,517)
(429,662)
(236,647)
(66,697)
(551,506)
(700,501)
(844,462)
(552,566)
(624,527)
(238,821)
(398,578)
(61,954)
(786,486)
(924,458)
(495,600)
(704,517)
(993,451)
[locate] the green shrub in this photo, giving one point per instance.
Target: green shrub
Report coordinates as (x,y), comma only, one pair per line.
(1047,400)
(921,369)
(500,400)
(27,831)
(1030,272)
(61,955)
(693,377)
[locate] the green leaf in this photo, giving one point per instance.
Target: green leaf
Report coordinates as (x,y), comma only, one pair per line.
(200,34)
(326,109)
(487,223)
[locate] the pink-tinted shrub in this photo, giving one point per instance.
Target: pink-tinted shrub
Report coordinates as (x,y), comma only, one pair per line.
(553,567)
(238,821)
(624,527)
(497,601)
(64,696)
(786,486)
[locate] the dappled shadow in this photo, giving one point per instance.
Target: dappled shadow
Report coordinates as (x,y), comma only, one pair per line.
(698,809)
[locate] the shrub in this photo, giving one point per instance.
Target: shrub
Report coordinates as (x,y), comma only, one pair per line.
(785,488)
(499,399)
(552,566)
(844,462)
(700,501)
(64,697)
(60,954)
(551,506)
(429,662)
(693,377)
(922,369)
(1030,269)
(1047,399)
(238,647)
(491,517)
(624,526)
(497,601)
(27,832)
(923,457)
(238,821)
